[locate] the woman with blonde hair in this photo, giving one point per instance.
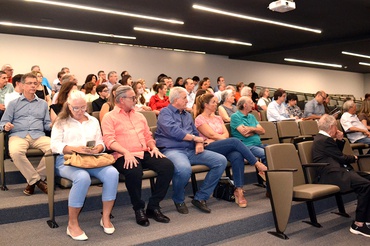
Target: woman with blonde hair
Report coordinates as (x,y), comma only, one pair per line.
(216,138)
(364,114)
(141,104)
(41,90)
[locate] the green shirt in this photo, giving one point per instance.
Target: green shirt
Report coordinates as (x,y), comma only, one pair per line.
(238,119)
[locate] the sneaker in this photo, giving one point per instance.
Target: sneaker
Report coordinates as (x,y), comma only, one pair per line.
(364,230)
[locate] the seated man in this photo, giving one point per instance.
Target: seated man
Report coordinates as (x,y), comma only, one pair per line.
(26,118)
(314,109)
(102,91)
(127,133)
(5,88)
(245,127)
(340,172)
(356,131)
(179,140)
(276,110)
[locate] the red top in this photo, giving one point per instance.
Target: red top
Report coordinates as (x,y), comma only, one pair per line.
(157,104)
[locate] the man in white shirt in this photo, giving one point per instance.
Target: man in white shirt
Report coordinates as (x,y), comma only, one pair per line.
(276,110)
(189,86)
(221,87)
(5,88)
(112,80)
(356,131)
(18,90)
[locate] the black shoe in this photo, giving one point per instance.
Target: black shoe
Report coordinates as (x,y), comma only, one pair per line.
(201,205)
(364,230)
(182,208)
(157,215)
(141,218)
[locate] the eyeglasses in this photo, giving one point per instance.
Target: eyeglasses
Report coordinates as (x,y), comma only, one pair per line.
(105,90)
(133,98)
(323,97)
(76,109)
(31,83)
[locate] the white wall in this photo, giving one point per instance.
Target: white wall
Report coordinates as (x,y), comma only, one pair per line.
(83,58)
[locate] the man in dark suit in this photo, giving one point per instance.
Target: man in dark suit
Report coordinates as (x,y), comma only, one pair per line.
(327,148)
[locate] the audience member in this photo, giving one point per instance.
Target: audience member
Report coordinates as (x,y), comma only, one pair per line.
(102,91)
(127,133)
(90,91)
(292,109)
(112,80)
(66,78)
(196,80)
(101,78)
(41,90)
(64,92)
(367,96)
(363,114)
(254,93)
(5,88)
(327,148)
(264,99)
(56,87)
(276,111)
(126,80)
(179,140)
(195,109)
(70,132)
(141,104)
(179,82)
(65,70)
(221,88)
(159,100)
(239,87)
(18,90)
(227,108)
(205,84)
(356,131)
(26,118)
(220,81)
(109,105)
(190,94)
(89,78)
(147,93)
(45,81)
(8,69)
(314,109)
(216,138)
(246,128)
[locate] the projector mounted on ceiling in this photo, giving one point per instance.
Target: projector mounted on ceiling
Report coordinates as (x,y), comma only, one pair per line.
(282,6)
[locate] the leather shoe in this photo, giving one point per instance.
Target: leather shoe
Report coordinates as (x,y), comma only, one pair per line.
(141,217)
(30,189)
(157,215)
(107,230)
(42,186)
(182,208)
(201,205)
(81,237)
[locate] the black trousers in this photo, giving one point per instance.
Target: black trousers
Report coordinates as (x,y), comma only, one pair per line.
(361,186)
(133,179)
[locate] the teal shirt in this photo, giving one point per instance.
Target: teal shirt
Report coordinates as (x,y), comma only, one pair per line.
(238,119)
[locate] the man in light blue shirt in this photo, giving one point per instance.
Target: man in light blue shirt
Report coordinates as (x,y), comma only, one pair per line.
(26,118)
(5,88)
(314,109)
(276,110)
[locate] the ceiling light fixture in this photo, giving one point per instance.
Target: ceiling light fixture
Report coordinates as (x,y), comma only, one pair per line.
(65,30)
(191,36)
(107,11)
(355,54)
(247,17)
(364,63)
(313,62)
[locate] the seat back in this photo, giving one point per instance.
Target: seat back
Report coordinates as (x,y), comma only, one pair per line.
(263,115)
(270,136)
(305,155)
(308,127)
(282,156)
(256,114)
(151,117)
(89,108)
(96,115)
(287,131)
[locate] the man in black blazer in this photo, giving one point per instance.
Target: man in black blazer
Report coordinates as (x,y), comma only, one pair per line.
(327,148)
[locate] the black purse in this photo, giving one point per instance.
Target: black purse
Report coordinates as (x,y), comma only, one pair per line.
(225,190)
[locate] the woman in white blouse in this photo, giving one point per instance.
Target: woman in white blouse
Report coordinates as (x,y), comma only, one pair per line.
(71,132)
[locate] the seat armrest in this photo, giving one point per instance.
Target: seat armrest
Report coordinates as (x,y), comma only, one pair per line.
(314,165)
(307,174)
(282,170)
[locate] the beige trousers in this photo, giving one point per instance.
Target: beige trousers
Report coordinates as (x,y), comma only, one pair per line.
(17,150)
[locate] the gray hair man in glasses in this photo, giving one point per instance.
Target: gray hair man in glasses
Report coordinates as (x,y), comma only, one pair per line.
(26,118)
(314,109)
(127,133)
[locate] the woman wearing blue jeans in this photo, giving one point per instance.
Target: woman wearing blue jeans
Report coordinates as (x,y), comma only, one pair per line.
(212,128)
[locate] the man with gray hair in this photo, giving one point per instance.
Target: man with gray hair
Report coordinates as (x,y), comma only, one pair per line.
(8,69)
(356,131)
(327,148)
(127,133)
(179,140)
(112,80)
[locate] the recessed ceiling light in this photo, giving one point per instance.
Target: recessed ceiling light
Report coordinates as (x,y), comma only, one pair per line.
(252,18)
(355,54)
(364,63)
(313,62)
(65,30)
(191,36)
(107,11)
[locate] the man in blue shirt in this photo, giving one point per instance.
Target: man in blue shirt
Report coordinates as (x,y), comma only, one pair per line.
(179,140)
(314,109)
(26,118)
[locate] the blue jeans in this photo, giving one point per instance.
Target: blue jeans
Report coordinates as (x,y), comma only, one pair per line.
(235,151)
(259,152)
(81,181)
(183,159)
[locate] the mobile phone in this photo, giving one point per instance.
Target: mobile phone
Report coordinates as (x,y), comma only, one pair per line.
(90,144)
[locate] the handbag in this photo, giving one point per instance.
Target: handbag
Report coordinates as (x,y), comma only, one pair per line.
(88,161)
(225,190)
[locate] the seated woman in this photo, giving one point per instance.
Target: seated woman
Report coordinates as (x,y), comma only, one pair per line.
(216,138)
(41,90)
(239,87)
(90,92)
(264,100)
(109,105)
(72,130)
(199,93)
(55,109)
(89,78)
(227,108)
(364,114)
(159,100)
(293,110)
(141,104)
